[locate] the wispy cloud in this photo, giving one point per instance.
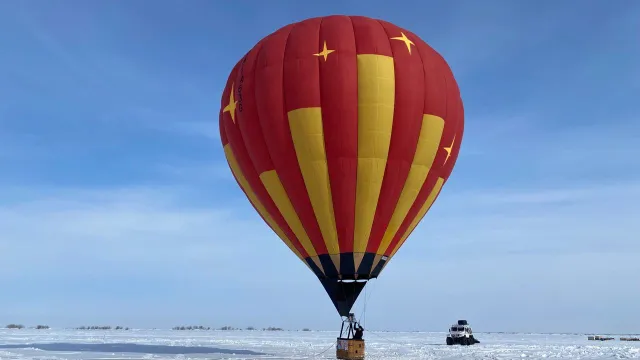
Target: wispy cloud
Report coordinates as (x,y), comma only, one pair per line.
(150,229)
(206,129)
(197,172)
(525,184)
(574,219)
(125,246)
(557,252)
(502,151)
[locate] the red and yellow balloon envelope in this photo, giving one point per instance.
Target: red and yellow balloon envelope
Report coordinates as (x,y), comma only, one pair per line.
(341,131)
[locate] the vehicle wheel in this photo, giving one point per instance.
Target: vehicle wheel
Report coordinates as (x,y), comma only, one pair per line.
(449,341)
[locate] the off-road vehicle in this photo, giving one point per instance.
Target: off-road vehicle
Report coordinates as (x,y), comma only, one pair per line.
(461,333)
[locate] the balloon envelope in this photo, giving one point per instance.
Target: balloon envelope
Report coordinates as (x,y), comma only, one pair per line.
(341,132)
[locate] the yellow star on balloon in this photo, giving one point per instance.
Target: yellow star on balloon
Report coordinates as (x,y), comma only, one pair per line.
(231,107)
(404,39)
(448,149)
(325,52)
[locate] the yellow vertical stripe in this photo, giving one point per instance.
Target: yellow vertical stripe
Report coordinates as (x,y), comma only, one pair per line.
(335,258)
(423,210)
(274,187)
(428,145)
(376,97)
(237,173)
(357,260)
(308,140)
(376,261)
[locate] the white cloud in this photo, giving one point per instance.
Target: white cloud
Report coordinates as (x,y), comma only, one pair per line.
(545,292)
(203,121)
(146,253)
(208,129)
(476,224)
(538,149)
(601,193)
(145,228)
(560,253)
(195,172)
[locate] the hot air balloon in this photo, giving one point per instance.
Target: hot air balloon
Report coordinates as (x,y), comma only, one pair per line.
(341,131)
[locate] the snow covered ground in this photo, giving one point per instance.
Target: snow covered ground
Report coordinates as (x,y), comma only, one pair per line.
(167,344)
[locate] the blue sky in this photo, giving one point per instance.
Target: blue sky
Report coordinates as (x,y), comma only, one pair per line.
(117,206)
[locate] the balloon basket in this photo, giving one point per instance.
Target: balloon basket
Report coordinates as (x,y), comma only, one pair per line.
(349,349)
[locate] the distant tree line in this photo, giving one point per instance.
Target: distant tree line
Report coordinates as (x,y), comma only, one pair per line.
(99,327)
(20,326)
(200,327)
(190,327)
(225,328)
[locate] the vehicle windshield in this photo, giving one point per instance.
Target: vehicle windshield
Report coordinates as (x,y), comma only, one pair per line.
(457,328)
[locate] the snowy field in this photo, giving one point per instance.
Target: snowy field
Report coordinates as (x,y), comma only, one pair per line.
(167,344)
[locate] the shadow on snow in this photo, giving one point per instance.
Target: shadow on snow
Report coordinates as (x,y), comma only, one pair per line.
(130,348)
